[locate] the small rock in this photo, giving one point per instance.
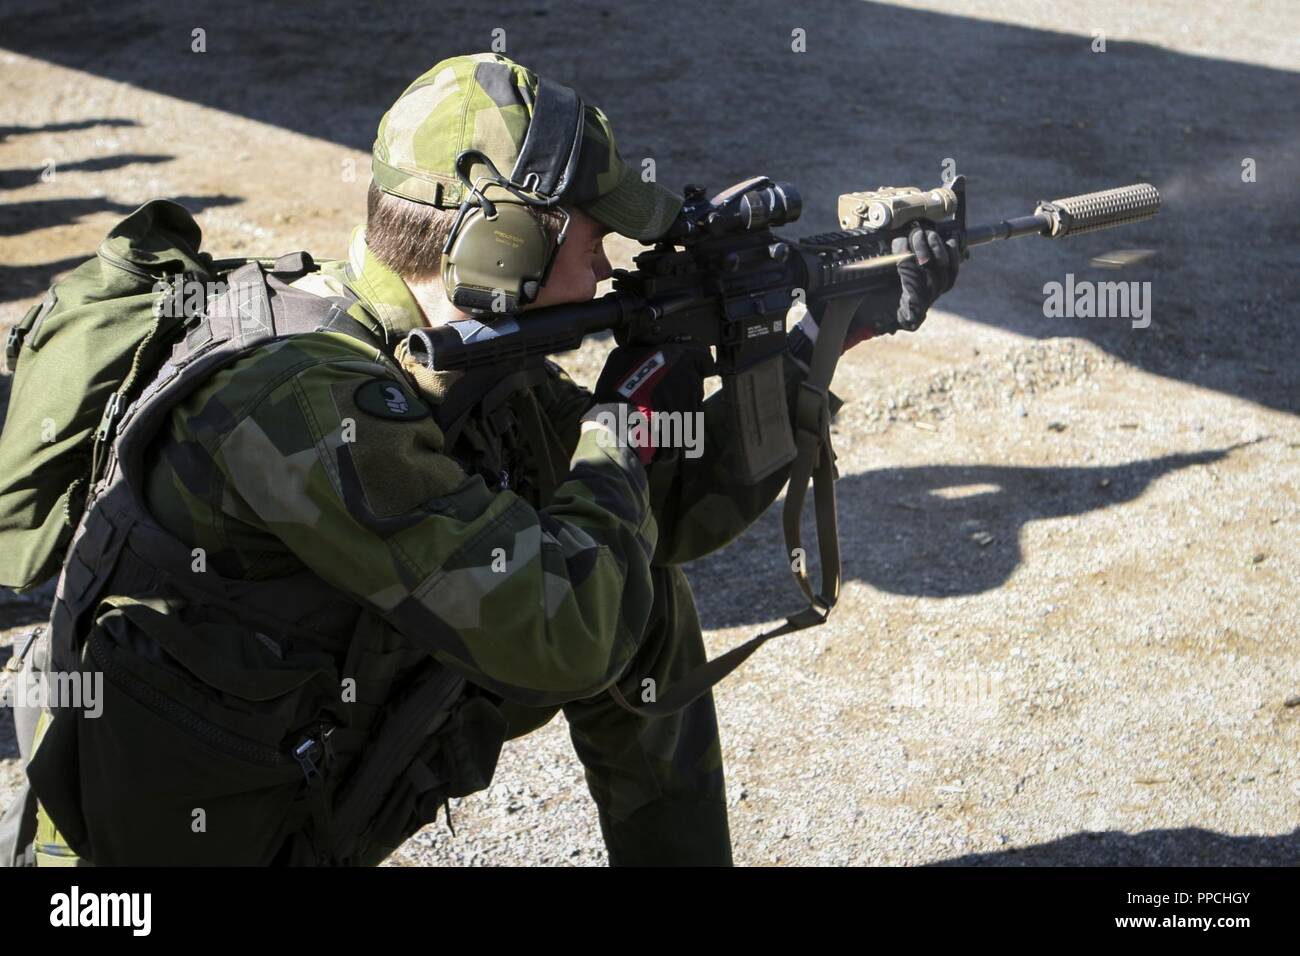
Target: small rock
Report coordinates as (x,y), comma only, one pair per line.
(1056,426)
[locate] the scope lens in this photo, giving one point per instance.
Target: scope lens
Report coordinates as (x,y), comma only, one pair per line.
(791,203)
(770,206)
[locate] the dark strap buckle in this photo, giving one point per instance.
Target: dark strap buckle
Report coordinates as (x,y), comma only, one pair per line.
(13,343)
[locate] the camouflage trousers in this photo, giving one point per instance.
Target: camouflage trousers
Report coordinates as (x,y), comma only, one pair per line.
(657,782)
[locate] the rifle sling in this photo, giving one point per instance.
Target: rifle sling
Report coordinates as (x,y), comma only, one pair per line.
(815,462)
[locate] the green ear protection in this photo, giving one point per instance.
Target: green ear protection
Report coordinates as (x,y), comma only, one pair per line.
(496,261)
(497,256)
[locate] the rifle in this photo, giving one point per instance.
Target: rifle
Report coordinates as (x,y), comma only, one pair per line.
(729,286)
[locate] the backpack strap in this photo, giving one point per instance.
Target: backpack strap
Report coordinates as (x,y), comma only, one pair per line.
(338,320)
(255,308)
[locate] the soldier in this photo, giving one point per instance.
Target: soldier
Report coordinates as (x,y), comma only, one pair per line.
(487,519)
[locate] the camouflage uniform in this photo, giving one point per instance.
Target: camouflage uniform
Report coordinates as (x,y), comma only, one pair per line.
(536,559)
(591,588)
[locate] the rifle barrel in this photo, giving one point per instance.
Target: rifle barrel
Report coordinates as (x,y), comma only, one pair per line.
(1057,219)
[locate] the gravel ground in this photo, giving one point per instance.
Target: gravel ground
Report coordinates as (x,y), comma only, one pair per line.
(1068,632)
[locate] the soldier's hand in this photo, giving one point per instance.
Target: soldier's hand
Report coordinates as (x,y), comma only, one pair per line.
(661,379)
(928,276)
(665,378)
(921,281)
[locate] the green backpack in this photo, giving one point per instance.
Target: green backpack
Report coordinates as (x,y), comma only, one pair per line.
(77,358)
(236,709)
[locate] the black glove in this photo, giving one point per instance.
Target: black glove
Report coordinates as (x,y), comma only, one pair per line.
(925,278)
(665,378)
(921,281)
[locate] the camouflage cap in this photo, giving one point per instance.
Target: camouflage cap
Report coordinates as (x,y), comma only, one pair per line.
(485,101)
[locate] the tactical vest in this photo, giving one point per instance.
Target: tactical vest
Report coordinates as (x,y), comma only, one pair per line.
(246,722)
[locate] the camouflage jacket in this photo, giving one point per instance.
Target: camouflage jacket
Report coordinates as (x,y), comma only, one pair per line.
(294,457)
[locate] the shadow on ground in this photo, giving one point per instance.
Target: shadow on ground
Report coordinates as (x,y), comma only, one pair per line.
(22,217)
(19,218)
(21,178)
(930,531)
(8,131)
(1189,846)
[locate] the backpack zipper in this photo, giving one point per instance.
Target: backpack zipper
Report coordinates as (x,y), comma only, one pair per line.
(125,265)
(312,745)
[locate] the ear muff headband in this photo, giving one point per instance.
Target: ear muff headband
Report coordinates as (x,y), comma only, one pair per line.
(497,256)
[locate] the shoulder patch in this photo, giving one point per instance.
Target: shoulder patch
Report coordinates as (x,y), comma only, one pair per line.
(384,398)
